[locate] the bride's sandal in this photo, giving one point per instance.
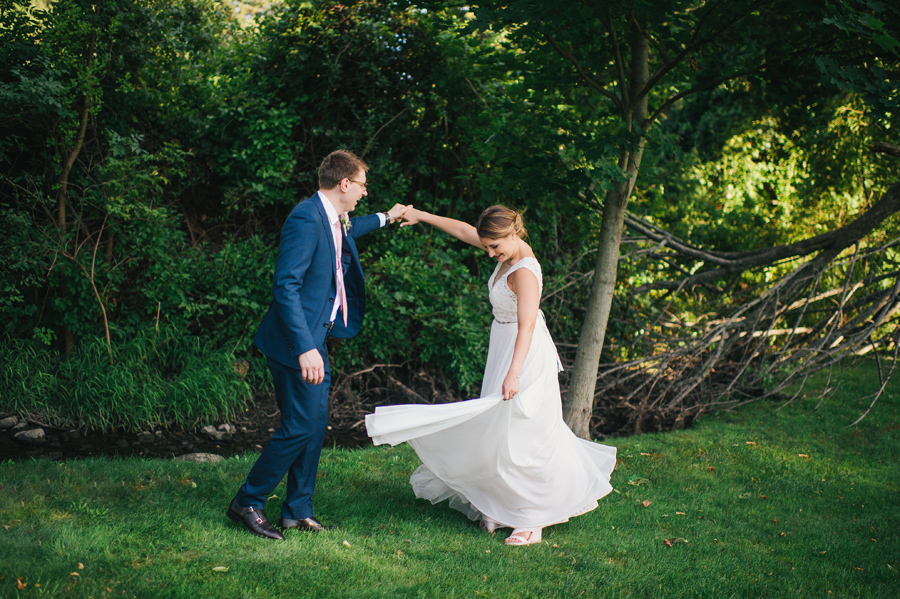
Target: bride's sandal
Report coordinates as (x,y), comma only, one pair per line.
(524,536)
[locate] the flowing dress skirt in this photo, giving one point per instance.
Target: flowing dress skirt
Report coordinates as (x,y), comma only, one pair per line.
(511,463)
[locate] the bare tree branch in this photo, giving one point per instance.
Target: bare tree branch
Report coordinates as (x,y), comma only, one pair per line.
(833,241)
(885,148)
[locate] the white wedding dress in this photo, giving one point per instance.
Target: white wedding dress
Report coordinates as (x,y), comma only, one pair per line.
(510,463)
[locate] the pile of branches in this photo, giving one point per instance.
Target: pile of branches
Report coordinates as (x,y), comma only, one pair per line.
(838,297)
(355,394)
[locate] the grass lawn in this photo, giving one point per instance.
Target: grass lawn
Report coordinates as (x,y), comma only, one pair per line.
(752,503)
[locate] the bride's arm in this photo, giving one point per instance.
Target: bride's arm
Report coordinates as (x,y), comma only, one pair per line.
(457,228)
(525,285)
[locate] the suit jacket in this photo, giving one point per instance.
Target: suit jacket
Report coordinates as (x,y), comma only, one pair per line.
(305,284)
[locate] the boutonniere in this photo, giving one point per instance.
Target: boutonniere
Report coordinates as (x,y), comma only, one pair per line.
(345,223)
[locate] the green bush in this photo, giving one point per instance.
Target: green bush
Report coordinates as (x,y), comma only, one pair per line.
(424,306)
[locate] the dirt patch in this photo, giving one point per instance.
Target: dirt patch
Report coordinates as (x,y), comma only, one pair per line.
(251,431)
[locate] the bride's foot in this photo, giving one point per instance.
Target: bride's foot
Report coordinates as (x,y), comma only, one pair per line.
(524,536)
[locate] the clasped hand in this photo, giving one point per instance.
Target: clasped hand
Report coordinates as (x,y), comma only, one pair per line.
(398,211)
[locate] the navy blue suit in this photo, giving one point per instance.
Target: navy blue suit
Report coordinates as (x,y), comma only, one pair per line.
(304,291)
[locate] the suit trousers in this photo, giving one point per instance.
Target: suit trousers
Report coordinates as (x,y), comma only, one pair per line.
(295,447)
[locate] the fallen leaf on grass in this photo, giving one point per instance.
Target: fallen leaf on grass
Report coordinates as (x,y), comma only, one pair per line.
(80,566)
(860,569)
(802,455)
(667,542)
(645,503)
(346,544)
(751,442)
(74,574)
(710,468)
(20,585)
(220,569)
(680,514)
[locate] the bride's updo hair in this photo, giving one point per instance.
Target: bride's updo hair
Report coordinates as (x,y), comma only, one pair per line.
(497,222)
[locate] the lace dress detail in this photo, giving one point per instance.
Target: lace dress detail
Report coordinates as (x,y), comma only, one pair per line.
(503,301)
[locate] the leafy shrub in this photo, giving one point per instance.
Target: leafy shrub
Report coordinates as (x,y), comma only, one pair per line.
(424,306)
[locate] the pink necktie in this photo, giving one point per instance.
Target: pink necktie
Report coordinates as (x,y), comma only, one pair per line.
(338,245)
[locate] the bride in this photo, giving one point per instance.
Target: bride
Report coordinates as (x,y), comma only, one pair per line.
(506,458)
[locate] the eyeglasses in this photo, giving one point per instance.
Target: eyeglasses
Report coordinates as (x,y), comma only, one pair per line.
(362,184)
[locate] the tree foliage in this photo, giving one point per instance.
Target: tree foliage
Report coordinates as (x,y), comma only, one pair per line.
(150,151)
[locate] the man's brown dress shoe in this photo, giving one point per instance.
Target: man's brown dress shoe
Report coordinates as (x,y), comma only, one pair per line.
(254,519)
(307,524)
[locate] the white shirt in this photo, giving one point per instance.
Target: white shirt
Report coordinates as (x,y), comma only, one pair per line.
(333,218)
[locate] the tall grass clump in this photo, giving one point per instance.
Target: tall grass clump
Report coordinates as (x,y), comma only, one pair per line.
(157,378)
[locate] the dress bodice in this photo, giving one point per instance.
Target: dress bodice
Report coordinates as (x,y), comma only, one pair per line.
(503,300)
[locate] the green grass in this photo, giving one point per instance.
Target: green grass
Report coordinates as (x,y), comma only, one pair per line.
(755,503)
(154,379)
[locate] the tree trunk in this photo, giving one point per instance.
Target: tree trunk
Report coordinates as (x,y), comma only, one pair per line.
(579,405)
(62,197)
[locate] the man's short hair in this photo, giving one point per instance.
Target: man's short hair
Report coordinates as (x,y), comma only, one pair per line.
(338,165)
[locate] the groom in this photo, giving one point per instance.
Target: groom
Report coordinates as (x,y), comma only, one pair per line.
(318,292)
